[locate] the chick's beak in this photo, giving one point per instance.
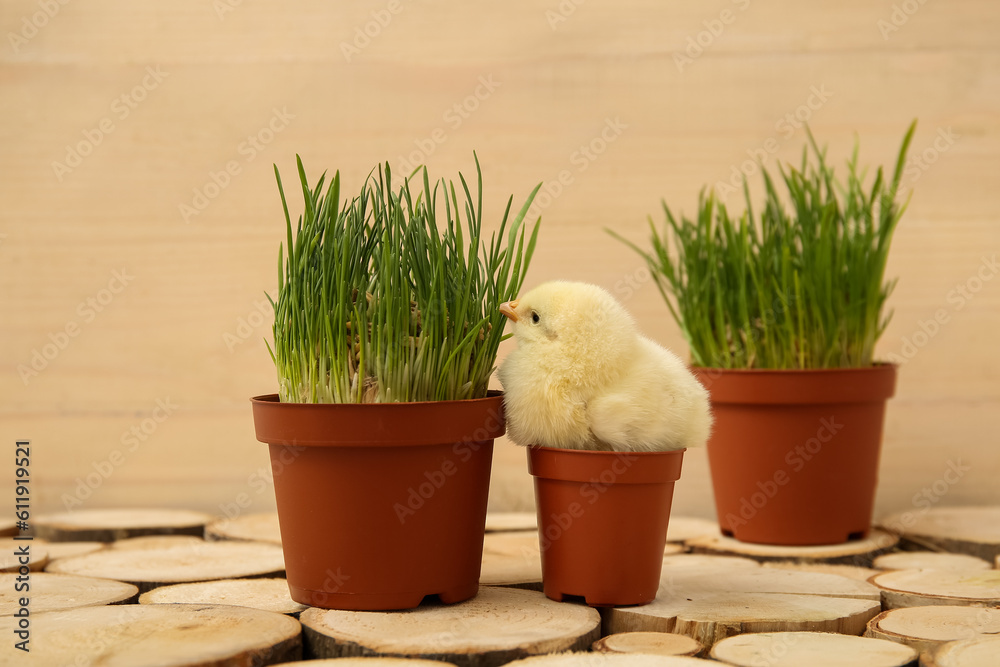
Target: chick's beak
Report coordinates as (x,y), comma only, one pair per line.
(508,309)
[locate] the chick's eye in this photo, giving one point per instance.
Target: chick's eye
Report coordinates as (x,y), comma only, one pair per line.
(534,317)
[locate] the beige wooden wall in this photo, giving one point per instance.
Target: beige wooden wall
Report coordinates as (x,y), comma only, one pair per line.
(139,265)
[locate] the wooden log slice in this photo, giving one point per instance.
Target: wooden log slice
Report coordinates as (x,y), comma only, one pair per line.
(108,525)
(915,588)
(815,649)
(978,652)
(156,542)
(259,527)
(49,592)
(496,626)
(512,559)
(504,521)
(201,561)
(8,528)
(611,660)
(13,555)
(856,552)
(704,561)
(655,643)
(364,662)
(930,560)
(177,635)
(926,628)
(710,603)
(682,528)
(851,571)
(266,594)
(59,550)
(968,530)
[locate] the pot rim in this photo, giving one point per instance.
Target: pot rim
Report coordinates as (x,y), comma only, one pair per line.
(601,467)
(799,386)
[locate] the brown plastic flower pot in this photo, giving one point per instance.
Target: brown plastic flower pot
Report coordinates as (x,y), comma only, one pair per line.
(794,454)
(381,505)
(602,521)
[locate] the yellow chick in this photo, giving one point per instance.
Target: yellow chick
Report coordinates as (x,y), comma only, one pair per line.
(583,377)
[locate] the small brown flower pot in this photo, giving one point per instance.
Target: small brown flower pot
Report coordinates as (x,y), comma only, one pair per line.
(794,454)
(382,504)
(602,521)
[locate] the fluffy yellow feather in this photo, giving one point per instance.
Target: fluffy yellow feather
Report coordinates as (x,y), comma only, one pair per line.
(583,377)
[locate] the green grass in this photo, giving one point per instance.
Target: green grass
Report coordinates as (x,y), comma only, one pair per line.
(799,286)
(391,296)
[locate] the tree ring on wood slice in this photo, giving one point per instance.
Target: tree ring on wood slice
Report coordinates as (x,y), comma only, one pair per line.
(851,571)
(512,559)
(977,652)
(50,592)
(12,550)
(926,628)
(611,660)
(266,594)
(916,588)
(930,560)
(496,626)
(710,603)
(108,525)
(511,521)
(200,561)
(812,649)
(856,552)
(59,550)
(655,643)
(259,527)
(968,530)
(168,635)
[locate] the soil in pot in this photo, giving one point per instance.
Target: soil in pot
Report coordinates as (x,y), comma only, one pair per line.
(794,455)
(602,520)
(381,505)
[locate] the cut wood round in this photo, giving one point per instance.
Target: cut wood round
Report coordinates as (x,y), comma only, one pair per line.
(916,588)
(364,662)
(177,635)
(108,525)
(49,592)
(855,552)
(512,559)
(496,626)
(611,660)
(655,643)
(967,530)
(704,561)
(8,528)
(926,628)
(978,652)
(266,594)
(201,561)
(15,554)
(815,649)
(260,527)
(156,542)
(504,521)
(930,560)
(59,550)
(709,603)
(682,528)
(852,571)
